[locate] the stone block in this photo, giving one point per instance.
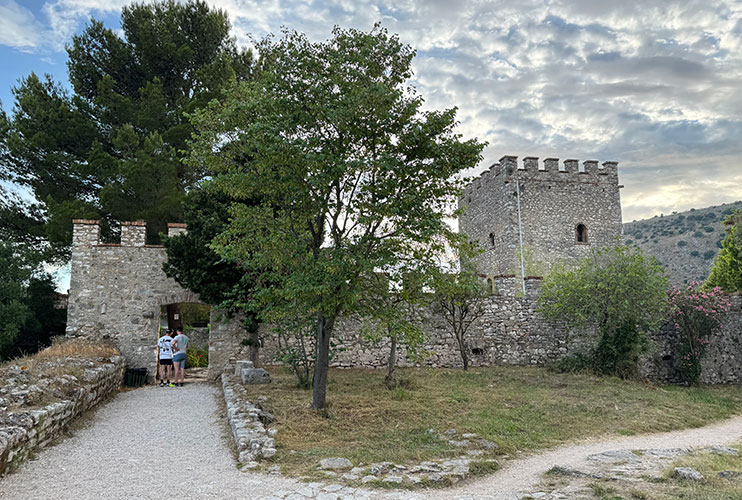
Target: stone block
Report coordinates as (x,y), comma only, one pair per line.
(241,365)
(255,376)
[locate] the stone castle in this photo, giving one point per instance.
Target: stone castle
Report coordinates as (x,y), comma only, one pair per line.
(528,216)
(546,213)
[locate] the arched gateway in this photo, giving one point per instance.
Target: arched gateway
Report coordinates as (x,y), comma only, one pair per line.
(116,291)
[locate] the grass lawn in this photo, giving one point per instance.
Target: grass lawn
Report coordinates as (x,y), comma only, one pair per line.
(519,408)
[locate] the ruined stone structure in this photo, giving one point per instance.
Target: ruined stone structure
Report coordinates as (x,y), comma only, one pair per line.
(116,291)
(554,212)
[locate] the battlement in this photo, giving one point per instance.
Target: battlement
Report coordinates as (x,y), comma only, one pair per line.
(86,232)
(549,169)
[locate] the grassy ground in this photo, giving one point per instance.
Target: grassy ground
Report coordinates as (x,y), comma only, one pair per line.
(711,488)
(519,408)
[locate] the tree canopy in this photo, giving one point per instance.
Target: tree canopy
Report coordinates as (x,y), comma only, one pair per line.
(356,177)
(618,290)
(111,148)
(726,272)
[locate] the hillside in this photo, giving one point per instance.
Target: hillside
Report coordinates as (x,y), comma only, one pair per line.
(684,243)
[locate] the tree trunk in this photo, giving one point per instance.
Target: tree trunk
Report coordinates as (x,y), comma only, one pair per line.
(174,318)
(322,364)
(253,352)
(463,349)
(389,380)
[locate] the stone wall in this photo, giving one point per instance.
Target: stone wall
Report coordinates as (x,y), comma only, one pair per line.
(23,432)
(510,332)
(116,291)
(722,361)
(554,200)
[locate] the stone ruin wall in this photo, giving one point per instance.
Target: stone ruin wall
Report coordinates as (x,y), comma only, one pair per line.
(554,199)
(116,291)
(24,432)
(511,332)
(721,363)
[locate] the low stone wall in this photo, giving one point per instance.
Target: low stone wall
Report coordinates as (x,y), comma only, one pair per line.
(248,423)
(24,432)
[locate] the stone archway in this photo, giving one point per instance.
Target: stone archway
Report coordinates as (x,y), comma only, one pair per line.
(116,291)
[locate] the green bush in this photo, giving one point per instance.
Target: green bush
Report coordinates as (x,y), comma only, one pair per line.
(197,357)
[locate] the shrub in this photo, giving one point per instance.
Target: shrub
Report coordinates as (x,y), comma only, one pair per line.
(695,314)
(197,357)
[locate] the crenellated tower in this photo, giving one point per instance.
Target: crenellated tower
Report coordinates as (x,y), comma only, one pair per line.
(554,211)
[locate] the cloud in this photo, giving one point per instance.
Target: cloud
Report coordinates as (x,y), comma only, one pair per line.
(649,83)
(18,26)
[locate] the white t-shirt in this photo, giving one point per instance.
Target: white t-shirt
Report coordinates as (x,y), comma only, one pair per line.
(165,345)
(181,342)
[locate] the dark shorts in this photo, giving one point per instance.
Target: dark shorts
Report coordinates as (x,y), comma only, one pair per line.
(166,361)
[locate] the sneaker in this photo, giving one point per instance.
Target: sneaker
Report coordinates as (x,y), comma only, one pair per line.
(171,385)
(162,384)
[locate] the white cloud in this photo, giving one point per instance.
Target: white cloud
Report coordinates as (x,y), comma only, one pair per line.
(18,27)
(650,83)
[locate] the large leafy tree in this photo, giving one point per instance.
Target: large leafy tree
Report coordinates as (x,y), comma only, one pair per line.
(356,178)
(111,148)
(727,270)
(15,272)
(618,290)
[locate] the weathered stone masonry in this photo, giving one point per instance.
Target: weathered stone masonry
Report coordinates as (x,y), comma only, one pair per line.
(554,200)
(116,291)
(23,432)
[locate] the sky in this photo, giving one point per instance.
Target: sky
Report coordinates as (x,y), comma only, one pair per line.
(653,84)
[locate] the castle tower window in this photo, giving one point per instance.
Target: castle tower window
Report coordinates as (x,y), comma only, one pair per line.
(581,233)
(492,239)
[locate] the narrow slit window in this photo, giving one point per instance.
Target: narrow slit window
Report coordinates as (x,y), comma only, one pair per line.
(581,233)
(492,239)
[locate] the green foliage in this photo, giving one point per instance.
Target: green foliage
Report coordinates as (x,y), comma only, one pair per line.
(726,272)
(695,315)
(357,178)
(197,357)
(619,291)
(195,315)
(459,296)
(14,312)
(111,148)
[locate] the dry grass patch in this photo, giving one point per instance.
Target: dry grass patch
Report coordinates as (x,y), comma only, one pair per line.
(519,408)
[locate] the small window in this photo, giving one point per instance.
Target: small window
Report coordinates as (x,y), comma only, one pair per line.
(477,351)
(492,239)
(581,233)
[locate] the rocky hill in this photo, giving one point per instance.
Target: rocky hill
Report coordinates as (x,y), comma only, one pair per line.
(684,243)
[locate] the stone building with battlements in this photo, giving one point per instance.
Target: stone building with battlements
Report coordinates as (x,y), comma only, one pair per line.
(555,212)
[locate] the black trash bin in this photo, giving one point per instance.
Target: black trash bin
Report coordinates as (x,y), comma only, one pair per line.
(135,377)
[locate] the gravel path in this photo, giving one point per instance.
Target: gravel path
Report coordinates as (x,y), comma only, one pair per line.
(155,443)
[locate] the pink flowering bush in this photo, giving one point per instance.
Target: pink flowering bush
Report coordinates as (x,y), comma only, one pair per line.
(695,314)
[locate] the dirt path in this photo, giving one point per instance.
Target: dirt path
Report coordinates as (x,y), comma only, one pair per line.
(523,475)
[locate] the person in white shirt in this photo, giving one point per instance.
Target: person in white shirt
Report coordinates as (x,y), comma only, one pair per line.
(179,345)
(164,346)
